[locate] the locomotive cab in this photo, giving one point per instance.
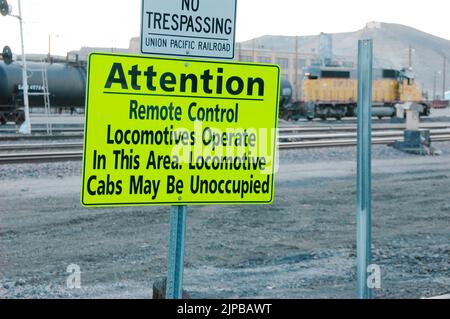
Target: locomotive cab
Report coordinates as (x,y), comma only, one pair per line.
(331,92)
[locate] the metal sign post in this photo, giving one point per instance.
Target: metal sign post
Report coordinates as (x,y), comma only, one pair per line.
(148,165)
(5,10)
(26,126)
(177,36)
(363,215)
(175,264)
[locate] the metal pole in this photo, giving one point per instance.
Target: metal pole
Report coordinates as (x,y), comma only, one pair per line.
(443,77)
(253,50)
(49,47)
(410,57)
(175,264)
(296,68)
(26,126)
(363,214)
(434,85)
(240,51)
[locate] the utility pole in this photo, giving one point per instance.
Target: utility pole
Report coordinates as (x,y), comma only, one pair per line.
(239,45)
(443,77)
(434,85)
(49,47)
(253,50)
(410,57)
(296,68)
(26,126)
(5,10)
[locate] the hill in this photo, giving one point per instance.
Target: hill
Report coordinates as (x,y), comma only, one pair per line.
(392,43)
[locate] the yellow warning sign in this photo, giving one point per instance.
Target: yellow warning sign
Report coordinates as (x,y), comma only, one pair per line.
(177,132)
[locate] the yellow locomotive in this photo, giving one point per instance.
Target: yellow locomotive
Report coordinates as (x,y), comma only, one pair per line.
(331,92)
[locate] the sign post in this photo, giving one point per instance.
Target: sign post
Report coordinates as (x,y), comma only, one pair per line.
(190,28)
(175,263)
(166,131)
(363,214)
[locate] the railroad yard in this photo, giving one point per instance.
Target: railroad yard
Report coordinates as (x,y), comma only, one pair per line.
(302,246)
(228,159)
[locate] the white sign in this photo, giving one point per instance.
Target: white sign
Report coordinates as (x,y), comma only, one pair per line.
(195,28)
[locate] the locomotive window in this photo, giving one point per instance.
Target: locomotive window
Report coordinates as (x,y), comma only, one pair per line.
(390,74)
(336,74)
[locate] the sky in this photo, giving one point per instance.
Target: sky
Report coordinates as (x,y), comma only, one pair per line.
(111,23)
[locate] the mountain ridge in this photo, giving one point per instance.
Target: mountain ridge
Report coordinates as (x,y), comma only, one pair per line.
(392,43)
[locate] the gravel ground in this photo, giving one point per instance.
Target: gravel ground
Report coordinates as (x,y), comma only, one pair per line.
(302,246)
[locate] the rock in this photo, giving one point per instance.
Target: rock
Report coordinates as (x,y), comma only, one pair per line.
(20,282)
(159,289)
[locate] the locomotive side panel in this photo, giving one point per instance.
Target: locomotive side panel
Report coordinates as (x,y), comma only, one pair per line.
(329,90)
(345,90)
(409,92)
(385,90)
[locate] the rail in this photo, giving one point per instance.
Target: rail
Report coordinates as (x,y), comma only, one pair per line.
(73,151)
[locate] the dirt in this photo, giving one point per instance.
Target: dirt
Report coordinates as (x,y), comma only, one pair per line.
(302,246)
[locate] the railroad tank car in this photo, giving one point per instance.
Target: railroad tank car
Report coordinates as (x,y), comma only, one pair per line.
(332,92)
(66,87)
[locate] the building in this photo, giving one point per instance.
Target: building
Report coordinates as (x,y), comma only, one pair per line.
(83,53)
(292,62)
(268,49)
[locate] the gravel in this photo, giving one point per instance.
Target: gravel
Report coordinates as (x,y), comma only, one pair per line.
(302,246)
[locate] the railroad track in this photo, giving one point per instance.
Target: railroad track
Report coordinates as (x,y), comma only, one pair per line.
(335,136)
(44,131)
(352,128)
(40,157)
(40,146)
(349,142)
(77,130)
(73,151)
(43,137)
(42,127)
(39,131)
